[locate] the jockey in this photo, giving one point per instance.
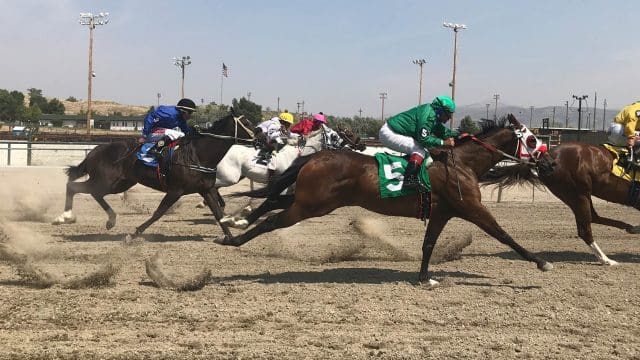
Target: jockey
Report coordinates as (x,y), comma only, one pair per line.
(421,127)
(624,127)
(271,135)
(319,121)
(167,123)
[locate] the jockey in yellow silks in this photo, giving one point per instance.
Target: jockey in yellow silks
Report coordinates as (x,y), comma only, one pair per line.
(624,127)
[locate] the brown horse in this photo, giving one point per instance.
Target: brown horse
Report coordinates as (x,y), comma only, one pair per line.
(574,172)
(113,168)
(331,179)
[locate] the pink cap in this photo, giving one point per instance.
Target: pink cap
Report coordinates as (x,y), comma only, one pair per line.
(320,118)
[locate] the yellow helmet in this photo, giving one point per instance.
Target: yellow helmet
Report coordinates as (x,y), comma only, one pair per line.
(286,116)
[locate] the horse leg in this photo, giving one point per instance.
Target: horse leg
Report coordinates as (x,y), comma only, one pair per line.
(73,188)
(167,201)
(117,188)
(597,219)
(285,218)
(213,199)
(481,216)
(281,202)
(583,211)
(437,222)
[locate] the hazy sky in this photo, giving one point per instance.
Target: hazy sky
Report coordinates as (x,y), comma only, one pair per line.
(336,56)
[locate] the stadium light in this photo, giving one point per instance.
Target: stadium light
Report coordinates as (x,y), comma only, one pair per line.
(181,63)
(455,28)
(91,20)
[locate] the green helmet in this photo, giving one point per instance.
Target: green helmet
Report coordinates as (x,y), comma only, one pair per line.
(443,102)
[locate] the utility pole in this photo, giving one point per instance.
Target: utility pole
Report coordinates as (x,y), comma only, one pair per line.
(91,20)
(383,95)
(249,95)
(159,95)
(566,114)
(181,63)
(553,118)
(579,98)
(278,104)
(300,104)
(604,113)
(487,111)
(530,116)
(420,63)
(360,113)
(455,28)
(495,111)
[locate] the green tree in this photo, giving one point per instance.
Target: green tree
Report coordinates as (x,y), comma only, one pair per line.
(36,98)
(54,106)
(71,99)
(11,105)
(468,126)
(251,110)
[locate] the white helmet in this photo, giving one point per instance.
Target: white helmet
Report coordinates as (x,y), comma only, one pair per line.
(615,134)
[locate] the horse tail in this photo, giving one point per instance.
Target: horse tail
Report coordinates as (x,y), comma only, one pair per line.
(507,176)
(76,172)
(279,182)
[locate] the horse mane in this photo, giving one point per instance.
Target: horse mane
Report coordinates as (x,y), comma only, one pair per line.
(217,125)
(487,128)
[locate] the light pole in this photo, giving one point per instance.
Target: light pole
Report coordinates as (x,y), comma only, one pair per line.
(495,111)
(530,116)
(383,95)
(420,63)
(91,20)
(159,95)
(456,28)
(488,111)
(181,63)
(580,98)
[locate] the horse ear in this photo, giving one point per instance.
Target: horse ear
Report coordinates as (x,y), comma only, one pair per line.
(513,121)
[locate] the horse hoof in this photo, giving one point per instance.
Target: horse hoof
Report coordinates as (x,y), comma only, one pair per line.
(246,211)
(241,224)
(227,220)
(64,220)
(545,266)
(610,262)
(200,205)
(128,238)
(110,224)
(222,240)
(429,283)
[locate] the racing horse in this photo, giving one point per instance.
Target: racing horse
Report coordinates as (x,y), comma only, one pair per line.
(242,161)
(113,168)
(574,172)
(328,180)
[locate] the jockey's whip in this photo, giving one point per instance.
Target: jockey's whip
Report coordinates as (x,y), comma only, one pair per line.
(128,153)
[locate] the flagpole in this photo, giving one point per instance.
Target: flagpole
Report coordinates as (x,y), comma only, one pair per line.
(221,86)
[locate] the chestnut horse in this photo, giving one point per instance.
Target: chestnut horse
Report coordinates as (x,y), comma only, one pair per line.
(329,179)
(574,172)
(113,168)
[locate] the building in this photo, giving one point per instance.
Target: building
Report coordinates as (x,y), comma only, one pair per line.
(112,122)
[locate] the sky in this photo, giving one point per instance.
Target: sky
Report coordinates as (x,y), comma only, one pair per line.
(336,56)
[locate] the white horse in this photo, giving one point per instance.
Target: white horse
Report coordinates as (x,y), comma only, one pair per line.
(241,161)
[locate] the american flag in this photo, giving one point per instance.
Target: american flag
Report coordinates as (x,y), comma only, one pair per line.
(225,70)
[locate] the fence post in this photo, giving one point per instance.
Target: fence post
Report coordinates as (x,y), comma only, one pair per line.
(8,154)
(29,152)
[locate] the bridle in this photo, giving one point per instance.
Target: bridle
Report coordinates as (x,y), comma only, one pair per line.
(518,156)
(235,137)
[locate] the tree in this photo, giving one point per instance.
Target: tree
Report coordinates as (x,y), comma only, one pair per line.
(36,98)
(11,105)
(468,126)
(71,99)
(54,106)
(250,110)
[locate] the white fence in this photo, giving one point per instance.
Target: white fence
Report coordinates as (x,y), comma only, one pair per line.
(23,153)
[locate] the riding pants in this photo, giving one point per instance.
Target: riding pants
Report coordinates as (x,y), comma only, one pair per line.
(402,143)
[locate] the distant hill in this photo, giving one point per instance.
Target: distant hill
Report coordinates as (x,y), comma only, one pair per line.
(103,107)
(479,111)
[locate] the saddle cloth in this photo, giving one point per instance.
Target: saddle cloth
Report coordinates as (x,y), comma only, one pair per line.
(150,160)
(618,170)
(391,175)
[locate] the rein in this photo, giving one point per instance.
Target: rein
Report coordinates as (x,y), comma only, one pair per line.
(494,149)
(235,137)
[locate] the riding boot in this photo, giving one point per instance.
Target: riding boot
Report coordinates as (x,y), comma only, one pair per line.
(156,150)
(411,180)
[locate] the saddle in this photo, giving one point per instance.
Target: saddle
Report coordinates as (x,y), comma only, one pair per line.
(622,166)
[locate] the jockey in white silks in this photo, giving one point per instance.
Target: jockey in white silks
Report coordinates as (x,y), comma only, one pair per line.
(272,135)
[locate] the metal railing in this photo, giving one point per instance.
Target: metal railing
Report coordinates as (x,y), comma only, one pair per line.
(44,153)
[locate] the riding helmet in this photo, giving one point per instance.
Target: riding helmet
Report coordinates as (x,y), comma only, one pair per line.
(443,102)
(186,105)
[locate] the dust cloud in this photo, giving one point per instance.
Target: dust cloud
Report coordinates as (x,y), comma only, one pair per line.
(162,279)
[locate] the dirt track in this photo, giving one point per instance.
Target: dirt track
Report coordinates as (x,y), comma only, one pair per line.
(320,289)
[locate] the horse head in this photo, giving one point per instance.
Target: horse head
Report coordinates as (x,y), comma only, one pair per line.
(350,138)
(237,128)
(529,146)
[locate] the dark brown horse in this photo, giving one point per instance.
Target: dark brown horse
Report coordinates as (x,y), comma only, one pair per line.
(574,172)
(113,168)
(328,180)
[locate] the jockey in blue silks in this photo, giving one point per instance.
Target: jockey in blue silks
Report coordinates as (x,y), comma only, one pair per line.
(167,123)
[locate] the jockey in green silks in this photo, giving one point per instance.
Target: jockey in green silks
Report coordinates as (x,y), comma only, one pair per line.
(417,130)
